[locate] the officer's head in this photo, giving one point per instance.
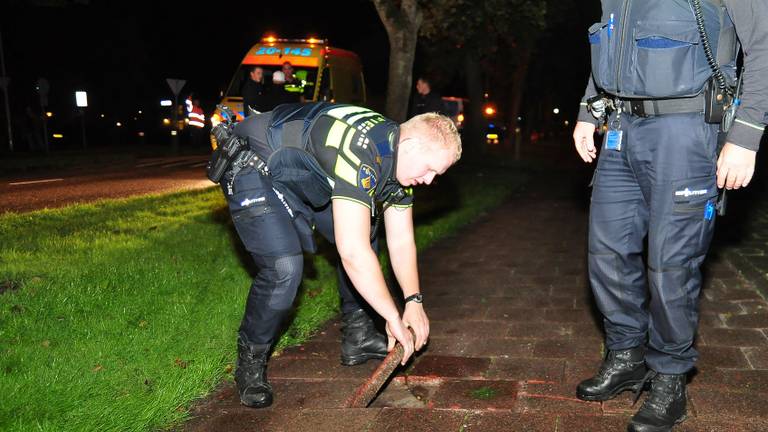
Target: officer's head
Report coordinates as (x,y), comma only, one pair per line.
(429,145)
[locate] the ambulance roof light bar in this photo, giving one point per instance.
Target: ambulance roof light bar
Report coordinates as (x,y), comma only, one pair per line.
(311,40)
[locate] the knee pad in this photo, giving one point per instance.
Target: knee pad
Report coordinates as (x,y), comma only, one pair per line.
(287,272)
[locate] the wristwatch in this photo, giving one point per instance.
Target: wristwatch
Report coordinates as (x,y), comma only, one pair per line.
(416,298)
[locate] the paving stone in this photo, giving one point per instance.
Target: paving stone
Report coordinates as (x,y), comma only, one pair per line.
(336,420)
(495,421)
(554,397)
(423,420)
(477,329)
(721,357)
(317,368)
(734,294)
(758,357)
(749,380)
(455,346)
(314,348)
(592,423)
(564,315)
(500,347)
(752,320)
(300,394)
(754,306)
(722,423)
(464,394)
(736,404)
(523,369)
(539,331)
(513,313)
(447,367)
(459,313)
(711,306)
(558,348)
(710,320)
(733,337)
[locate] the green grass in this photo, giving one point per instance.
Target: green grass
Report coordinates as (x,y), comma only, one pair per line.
(115,316)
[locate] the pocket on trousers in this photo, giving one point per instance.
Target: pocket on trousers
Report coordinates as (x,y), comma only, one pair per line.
(693,213)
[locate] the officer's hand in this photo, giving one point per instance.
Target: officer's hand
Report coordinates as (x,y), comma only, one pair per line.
(584,138)
(735,166)
(397,331)
(415,318)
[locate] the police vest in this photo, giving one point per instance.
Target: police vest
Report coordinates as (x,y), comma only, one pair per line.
(651,49)
(306,167)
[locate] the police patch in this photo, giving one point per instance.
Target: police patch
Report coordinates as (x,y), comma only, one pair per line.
(366,178)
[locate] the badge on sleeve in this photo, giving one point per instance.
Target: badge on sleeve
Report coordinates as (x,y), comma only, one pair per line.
(366,178)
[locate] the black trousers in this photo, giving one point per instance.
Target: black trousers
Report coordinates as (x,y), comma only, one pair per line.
(660,185)
(264,224)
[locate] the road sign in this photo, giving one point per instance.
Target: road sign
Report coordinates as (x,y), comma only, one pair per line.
(176,85)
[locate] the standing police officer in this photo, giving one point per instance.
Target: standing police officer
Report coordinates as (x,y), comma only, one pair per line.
(338,168)
(658,176)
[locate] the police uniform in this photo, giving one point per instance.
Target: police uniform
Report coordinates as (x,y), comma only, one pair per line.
(313,153)
(656,178)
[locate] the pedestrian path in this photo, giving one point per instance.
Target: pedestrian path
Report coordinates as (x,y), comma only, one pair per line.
(514,329)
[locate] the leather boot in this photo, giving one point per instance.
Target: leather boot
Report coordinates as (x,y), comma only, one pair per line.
(360,341)
(251,375)
(664,407)
(621,370)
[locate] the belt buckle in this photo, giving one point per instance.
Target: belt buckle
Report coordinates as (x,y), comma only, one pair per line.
(638,108)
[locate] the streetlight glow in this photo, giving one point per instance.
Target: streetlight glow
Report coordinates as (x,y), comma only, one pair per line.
(166,102)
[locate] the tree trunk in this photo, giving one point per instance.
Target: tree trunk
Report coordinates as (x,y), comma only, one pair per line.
(402,20)
(474,138)
(517,90)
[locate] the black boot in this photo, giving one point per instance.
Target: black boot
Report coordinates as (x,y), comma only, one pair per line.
(360,341)
(621,370)
(664,407)
(251,375)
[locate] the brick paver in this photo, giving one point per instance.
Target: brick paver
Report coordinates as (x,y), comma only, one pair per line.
(514,329)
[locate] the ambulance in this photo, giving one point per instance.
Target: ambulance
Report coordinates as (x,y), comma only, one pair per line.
(323,73)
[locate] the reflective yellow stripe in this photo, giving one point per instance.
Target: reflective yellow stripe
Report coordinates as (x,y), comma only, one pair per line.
(348,151)
(345,171)
(336,134)
(354,119)
(351,199)
(342,112)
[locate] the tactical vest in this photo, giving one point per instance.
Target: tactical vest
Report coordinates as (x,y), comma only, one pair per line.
(305,172)
(651,49)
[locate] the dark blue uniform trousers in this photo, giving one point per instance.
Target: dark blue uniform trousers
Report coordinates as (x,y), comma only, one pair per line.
(660,185)
(266,228)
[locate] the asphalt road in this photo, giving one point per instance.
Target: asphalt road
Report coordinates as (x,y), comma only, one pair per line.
(62,188)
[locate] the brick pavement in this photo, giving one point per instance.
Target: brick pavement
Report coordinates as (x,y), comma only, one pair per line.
(513,331)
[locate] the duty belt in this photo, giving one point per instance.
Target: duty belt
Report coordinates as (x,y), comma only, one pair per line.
(654,107)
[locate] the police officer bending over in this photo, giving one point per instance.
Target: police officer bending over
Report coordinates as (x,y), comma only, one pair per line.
(664,68)
(336,168)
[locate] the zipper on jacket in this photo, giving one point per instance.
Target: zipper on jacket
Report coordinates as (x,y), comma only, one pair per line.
(624,26)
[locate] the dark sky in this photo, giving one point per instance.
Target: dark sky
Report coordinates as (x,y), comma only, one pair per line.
(122,51)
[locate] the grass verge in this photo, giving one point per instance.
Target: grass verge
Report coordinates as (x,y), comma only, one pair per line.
(115,315)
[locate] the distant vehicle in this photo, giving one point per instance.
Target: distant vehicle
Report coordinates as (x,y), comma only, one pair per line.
(454,108)
(324,73)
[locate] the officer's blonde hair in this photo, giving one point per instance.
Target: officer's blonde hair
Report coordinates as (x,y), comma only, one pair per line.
(440,132)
